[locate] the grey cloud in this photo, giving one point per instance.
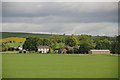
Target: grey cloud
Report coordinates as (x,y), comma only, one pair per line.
(84,12)
(76,18)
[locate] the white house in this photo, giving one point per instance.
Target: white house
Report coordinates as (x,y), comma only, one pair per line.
(20,48)
(43,49)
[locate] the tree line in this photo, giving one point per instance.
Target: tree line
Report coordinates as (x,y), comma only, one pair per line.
(86,43)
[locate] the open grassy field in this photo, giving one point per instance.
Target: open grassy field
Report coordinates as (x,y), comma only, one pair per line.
(24,35)
(15,44)
(59,66)
(13,39)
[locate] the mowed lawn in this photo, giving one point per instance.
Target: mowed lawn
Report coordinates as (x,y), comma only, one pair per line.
(59,66)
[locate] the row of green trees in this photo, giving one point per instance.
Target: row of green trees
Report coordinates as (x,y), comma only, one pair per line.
(86,43)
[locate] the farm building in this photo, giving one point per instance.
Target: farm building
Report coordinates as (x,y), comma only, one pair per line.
(99,52)
(63,51)
(19,48)
(70,48)
(43,49)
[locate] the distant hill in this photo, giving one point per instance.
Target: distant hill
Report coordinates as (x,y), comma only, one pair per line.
(23,35)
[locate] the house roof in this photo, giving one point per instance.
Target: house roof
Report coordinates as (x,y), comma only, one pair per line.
(63,49)
(43,47)
(72,47)
(100,50)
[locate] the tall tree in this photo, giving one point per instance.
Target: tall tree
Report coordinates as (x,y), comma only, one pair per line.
(53,44)
(114,46)
(32,43)
(46,42)
(58,38)
(118,44)
(71,41)
(86,43)
(103,44)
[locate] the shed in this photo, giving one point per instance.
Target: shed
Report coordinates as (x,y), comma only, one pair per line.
(99,52)
(70,48)
(63,51)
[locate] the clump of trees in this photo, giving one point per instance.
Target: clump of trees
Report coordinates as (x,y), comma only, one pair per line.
(71,41)
(86,43)
(115,45)
(32,43)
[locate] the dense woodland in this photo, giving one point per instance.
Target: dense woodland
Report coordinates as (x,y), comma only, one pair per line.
(57,42)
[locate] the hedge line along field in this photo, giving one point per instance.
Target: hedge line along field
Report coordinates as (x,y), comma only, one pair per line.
(59,66)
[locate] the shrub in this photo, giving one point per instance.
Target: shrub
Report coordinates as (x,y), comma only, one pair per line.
(40,52)
(10,49)
(56,51)
(70,51)
(50,50)
(76,50)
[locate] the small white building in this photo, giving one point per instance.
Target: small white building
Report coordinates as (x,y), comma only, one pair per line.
(43,49)
(20,48)
(99,52)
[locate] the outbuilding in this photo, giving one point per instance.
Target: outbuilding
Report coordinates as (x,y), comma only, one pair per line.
(99,52)
(63,51)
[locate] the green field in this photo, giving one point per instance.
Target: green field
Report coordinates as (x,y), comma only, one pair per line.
(24,35)
(17,34)
(59,66)
(15,44)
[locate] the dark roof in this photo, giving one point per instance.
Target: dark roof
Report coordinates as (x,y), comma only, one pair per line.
(100,50)
(39,47)
(72,47)
(63,49)
(69,47)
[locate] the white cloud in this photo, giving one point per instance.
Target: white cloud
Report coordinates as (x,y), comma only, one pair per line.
(69,28)
(60,0)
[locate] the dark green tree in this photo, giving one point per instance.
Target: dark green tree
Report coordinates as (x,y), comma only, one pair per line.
(85,47)
(86,43)
(103,44)
(114,46)
(118,44)
(58,38)
(32,43)
(71,41)
(46,42)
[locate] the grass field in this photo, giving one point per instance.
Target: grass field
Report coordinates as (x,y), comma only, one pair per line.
(15,44)
(24,35)
(59,66)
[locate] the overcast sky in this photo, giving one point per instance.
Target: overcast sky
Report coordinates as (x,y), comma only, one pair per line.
(95,18)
